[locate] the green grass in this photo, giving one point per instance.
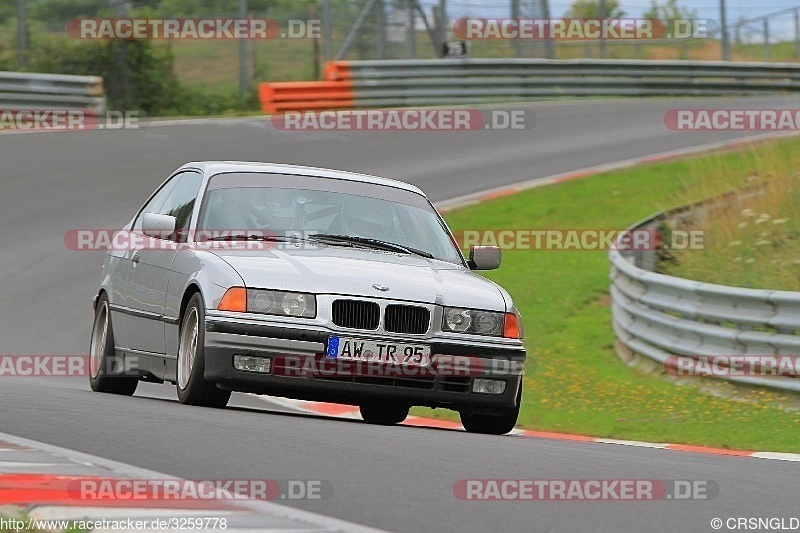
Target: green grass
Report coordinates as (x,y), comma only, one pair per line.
(753,242)
(574,381)
(215,64)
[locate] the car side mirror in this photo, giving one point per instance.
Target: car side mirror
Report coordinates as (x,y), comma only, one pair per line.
(158,226)
(484,257)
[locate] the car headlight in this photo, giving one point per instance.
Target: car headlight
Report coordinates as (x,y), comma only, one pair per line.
(281,303)
(269,302)
(461,320)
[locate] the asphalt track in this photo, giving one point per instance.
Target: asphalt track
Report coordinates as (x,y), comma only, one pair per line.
(397,478)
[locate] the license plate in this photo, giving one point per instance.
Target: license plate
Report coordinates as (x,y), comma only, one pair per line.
(350,349)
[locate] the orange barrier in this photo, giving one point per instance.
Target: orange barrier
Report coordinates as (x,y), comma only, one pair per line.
(279,97)
(337,70)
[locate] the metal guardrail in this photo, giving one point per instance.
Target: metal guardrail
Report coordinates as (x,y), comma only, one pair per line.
(391,83)
(658,316)
(25,90)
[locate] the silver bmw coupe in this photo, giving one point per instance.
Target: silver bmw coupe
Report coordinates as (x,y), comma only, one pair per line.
(310,284)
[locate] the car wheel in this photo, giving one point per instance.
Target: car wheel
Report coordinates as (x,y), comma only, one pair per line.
(384,414)
(493,424)
(193,389)
(102,356)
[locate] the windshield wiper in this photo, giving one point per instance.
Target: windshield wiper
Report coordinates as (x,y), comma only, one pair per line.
(273,238)
(250,237)
(374,243)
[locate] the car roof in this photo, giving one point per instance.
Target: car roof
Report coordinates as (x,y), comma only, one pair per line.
(211,168)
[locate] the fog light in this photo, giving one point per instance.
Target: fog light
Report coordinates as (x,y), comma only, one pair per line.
(488,386)
(248,363)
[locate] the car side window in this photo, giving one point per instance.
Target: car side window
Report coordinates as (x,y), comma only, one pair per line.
(176,198)
(181,200)
(155,203)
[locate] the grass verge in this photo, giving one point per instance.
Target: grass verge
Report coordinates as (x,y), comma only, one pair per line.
(574,381)
(754,243)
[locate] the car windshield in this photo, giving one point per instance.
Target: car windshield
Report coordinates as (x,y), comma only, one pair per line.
(241,203)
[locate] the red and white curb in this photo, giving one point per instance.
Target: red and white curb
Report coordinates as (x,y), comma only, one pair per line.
(34,486)
(351,412)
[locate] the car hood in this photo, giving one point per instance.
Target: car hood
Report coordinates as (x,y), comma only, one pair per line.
(353,271)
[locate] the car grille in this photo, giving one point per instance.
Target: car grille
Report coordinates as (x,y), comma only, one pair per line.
(356,314)
(359,314)
(406,319)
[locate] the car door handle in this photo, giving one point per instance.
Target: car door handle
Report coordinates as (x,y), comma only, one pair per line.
(135,259)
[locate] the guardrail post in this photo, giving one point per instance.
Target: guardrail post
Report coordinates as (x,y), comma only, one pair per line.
(243,75)
(726,49)
(796,33)
(412,32)
(515,43)
(442,24)
(22,34)
(121,77)
(380,30)
(327,30)
(312,15)
(602,37)
(548,42)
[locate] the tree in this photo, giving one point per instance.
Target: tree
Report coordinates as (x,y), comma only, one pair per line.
(669,10)
(590,9)
(667,15)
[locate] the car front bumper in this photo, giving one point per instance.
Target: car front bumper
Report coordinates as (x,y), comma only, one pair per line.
(301,370)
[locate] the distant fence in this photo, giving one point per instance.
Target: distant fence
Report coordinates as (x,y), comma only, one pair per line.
(658,316)
(394,83)
(24,90)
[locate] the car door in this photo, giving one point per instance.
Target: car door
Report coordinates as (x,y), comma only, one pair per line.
(150,262)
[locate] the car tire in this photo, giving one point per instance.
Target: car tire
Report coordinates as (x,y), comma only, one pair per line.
(192,387)
(383,414)
(102,355)
(493,424)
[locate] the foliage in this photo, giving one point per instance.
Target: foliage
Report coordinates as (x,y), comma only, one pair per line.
(669,10)
(590,9)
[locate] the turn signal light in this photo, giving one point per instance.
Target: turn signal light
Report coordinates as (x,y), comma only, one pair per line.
(511,328)
(235,299)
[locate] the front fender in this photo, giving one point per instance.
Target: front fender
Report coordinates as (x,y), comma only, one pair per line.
(195,268)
